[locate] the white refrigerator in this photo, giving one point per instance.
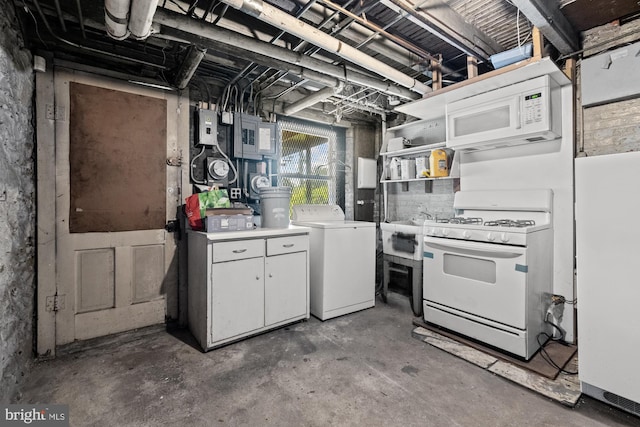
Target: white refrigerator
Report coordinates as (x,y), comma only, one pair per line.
(608,277)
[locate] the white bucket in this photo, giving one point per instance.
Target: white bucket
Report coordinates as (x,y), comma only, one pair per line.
(274,207)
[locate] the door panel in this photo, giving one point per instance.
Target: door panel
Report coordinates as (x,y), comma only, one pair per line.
(116,266)
(96,280)
(146,274)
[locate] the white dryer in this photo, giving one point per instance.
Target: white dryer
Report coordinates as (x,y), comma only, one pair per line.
(342,260)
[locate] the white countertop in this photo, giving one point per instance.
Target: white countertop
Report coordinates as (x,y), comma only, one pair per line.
(255,233)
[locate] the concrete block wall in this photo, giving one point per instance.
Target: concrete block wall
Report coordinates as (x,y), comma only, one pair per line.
(417,204)
(17,205)
(613,127)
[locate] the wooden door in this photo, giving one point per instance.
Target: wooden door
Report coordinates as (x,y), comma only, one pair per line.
(118,179)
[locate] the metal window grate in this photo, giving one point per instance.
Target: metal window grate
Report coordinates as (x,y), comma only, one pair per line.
(308,163)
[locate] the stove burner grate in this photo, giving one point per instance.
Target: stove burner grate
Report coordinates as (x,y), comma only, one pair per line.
(510,223)
(460,220)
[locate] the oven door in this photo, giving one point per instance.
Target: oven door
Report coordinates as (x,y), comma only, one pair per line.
(481,279)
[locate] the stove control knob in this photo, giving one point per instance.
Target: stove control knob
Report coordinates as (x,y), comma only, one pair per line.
(466,234)
(445,232)
(504,237)
(433,231)
(491,237)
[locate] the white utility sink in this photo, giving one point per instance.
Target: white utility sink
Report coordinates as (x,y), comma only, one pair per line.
(402,238)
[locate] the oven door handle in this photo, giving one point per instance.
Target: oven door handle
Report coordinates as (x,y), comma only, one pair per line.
(486,250)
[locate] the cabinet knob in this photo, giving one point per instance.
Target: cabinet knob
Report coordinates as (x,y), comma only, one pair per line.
(270,275)
(257,277)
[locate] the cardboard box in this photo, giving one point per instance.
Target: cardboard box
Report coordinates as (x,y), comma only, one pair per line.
(228,211)
(219,223)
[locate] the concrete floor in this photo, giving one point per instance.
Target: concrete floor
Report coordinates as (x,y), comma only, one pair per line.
(359,369)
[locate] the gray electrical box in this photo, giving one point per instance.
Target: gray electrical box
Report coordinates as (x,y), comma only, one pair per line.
(207,127)
(267,139)
(611,76)
(246,133)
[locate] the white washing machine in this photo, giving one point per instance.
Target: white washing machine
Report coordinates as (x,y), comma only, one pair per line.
(342,258)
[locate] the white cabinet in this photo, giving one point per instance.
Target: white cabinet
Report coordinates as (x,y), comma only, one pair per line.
(243,283)
(237,298)
(284,297)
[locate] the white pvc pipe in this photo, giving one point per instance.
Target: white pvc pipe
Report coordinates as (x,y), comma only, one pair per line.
(271,15)
(308,101)
(311,66)
(116,18)
(142,12)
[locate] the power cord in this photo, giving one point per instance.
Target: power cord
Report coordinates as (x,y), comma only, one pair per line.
(547,358)
(555,310)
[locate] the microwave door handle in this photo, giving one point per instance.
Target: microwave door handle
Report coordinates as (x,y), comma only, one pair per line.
(518,106)
(482,250)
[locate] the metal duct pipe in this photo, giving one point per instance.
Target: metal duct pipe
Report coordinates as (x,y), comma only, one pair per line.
(142,12)
(189,66)
(116,18)
(269,14)
(310,100)
(178,26)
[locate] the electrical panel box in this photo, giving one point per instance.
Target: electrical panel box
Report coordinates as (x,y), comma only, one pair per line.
(267,141)
(246,134)
(207,127)
(367,171)
(611,76)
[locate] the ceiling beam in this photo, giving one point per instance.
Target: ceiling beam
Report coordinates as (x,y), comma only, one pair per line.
(445,23)
(211,36)
(546,15)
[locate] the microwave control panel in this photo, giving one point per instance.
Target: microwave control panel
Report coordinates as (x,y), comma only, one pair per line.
(533,106)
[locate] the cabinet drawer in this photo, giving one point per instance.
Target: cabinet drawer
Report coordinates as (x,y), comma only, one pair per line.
(238,249)
(286,245)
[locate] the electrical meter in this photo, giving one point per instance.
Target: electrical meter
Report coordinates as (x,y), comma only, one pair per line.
(218,169)
(258,182)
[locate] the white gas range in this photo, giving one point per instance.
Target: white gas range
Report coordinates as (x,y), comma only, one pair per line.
(488,273)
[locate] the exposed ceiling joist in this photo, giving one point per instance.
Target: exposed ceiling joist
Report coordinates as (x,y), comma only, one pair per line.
(212,36)
(273,16)
(439,19)
(546,15)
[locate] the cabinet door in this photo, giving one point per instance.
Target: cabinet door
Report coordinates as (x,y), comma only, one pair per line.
(285,287)
(237,298)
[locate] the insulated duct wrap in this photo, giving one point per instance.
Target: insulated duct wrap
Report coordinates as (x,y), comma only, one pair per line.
(142,12)
(116,17)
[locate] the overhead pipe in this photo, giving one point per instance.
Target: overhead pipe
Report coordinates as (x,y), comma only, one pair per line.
(90,49)
(378,30)
(178,26)
(60,17)
(116,18)
(189,66)
(142,12)
(81,19)
(271,15)
(478,47)
(124,18)
(310,100)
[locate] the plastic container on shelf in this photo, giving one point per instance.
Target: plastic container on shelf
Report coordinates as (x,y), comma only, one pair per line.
(438,163)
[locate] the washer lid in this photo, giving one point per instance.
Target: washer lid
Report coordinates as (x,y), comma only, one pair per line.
(317,213)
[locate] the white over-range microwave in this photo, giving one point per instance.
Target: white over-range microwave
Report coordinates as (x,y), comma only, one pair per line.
(529,111)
